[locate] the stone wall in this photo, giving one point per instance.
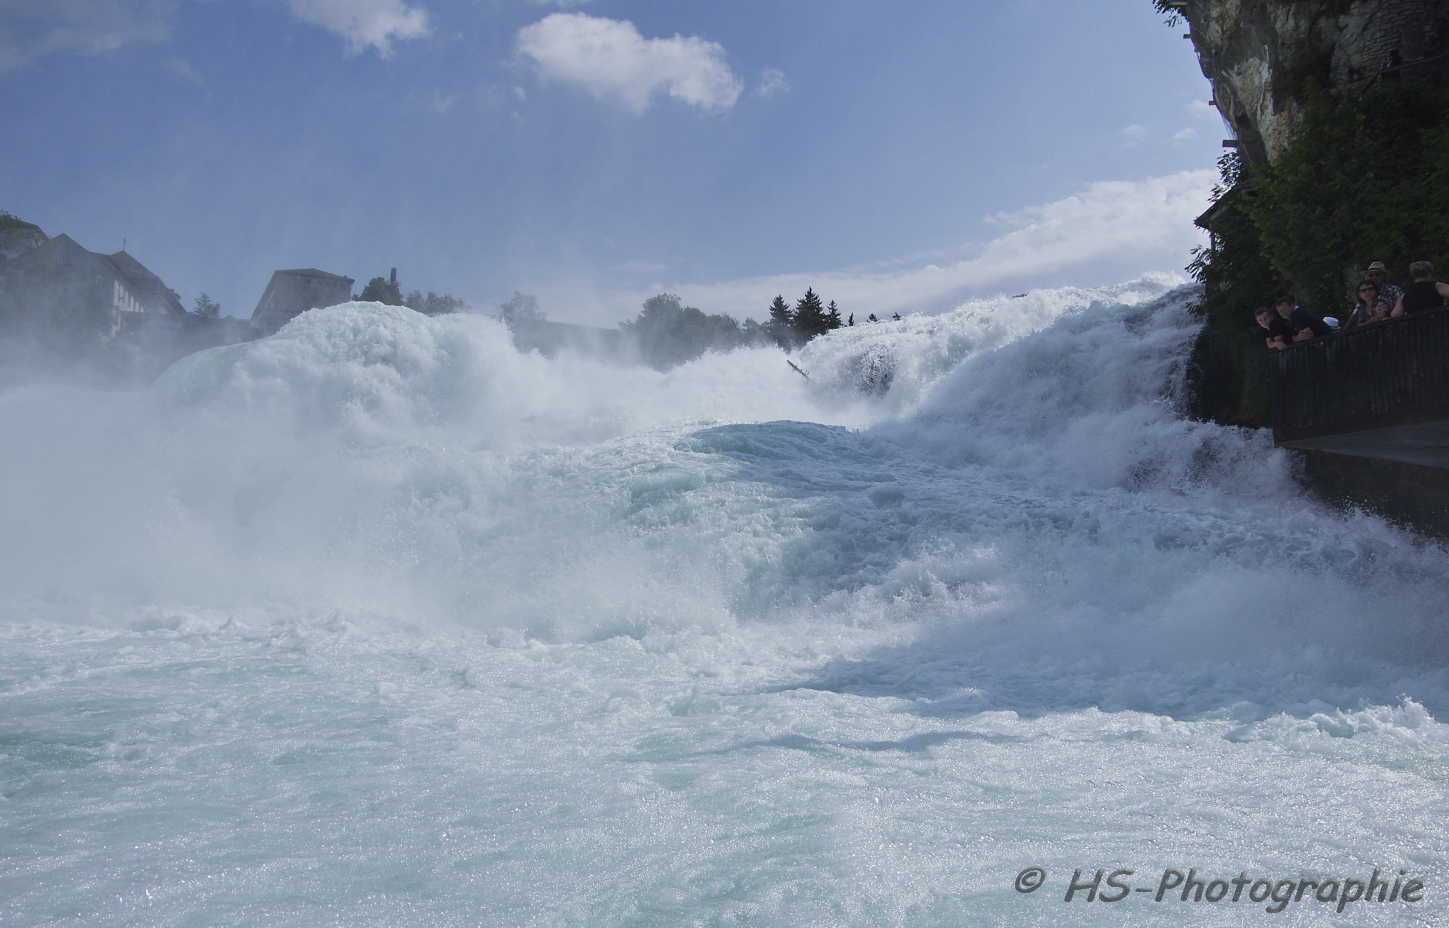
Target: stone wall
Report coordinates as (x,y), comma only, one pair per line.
(1259,53)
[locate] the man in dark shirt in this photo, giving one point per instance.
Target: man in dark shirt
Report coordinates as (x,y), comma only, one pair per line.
(1305,324)
(1424,293)
(1280,333)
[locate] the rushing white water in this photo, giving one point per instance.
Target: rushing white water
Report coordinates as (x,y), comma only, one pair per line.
(378,622)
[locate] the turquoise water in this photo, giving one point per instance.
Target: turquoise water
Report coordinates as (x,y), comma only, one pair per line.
(378,622)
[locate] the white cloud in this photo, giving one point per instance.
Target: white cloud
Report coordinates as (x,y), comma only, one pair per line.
(30,29)
(1132,225)
(566,4)
(1188,133)
(184,69)
(1134,134)
(1201,109)
(771,83)
(364,22)
(612,61)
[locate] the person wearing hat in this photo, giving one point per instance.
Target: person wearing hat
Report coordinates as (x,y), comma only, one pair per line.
(1424,293)
(1388,293)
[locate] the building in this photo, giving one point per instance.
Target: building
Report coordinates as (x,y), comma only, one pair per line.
(60,294)
(293,292)
(17,237)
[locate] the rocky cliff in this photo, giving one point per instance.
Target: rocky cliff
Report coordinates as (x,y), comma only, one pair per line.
(1261,55)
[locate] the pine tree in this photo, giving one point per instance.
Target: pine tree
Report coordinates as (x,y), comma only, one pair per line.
(207,308)
(832,316)
(782,323)
(780,314)
(810,319)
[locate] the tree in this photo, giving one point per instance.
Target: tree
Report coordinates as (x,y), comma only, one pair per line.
(18,236)
(381,290)
(832,316)
(434,305)
(752,333)
(782,323)
(780,315)
(206,307)
(669,333)
(521,307)
(810,319)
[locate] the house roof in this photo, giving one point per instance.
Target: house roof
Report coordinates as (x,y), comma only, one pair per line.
(145,282)
(132,268)
(1228,198)
(313,272)
(59,243)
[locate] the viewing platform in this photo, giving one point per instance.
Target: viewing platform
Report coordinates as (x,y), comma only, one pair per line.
(1380,391)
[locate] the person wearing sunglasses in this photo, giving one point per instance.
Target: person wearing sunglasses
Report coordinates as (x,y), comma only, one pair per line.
(1388,293)
(1367,307)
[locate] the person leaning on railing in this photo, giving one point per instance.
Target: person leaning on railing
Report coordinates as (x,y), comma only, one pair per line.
(1424,293)
(1280,333)
(1305,324)
(1368,308)
(1388,293)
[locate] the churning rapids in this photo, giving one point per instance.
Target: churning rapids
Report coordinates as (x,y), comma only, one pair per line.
(379,622)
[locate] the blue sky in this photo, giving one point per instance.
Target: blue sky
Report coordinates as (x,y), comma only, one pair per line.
(899,155)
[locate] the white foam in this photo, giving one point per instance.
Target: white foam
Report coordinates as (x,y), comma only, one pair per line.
(379,620)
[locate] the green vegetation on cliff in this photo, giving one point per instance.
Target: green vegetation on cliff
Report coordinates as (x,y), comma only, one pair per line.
(1365,178)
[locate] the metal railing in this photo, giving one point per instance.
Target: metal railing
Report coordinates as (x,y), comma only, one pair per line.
(1378,376)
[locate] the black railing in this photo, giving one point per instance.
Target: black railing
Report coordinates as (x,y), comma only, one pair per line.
(1378,376)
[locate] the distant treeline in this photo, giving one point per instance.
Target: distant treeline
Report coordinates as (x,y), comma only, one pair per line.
(385,291)
(668,333)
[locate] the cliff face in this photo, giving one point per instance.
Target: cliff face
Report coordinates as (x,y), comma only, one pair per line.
(1259,53)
